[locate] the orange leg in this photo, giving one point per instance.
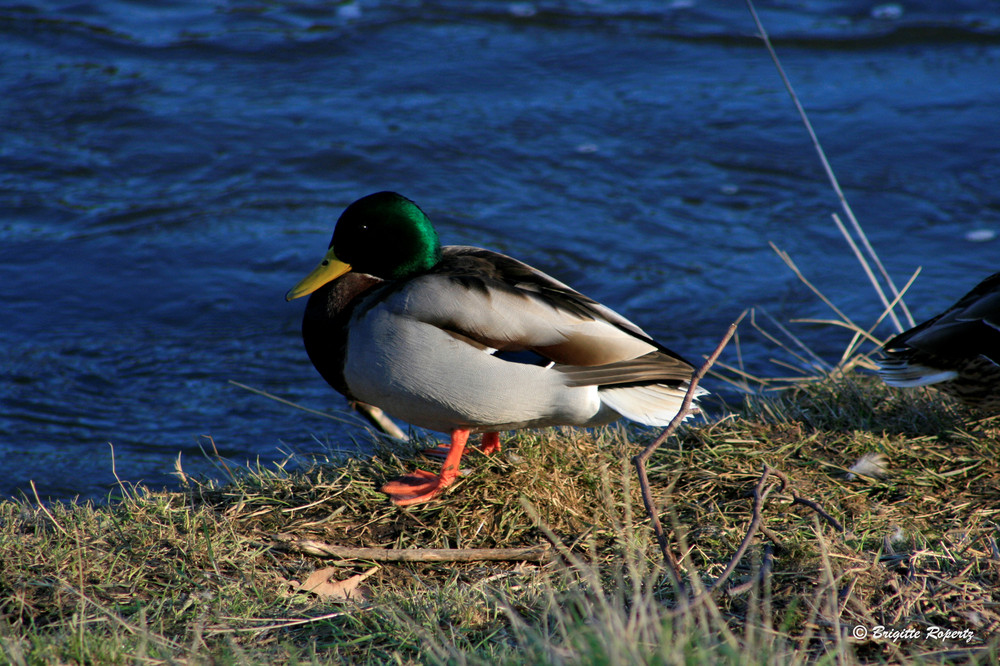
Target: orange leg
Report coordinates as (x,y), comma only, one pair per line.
(491,443)
(421,486)
(489,446)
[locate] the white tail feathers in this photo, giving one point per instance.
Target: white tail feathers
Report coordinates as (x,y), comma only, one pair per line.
(907,375)
(650,404)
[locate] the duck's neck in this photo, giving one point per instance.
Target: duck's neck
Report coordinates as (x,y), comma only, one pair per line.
(324,325)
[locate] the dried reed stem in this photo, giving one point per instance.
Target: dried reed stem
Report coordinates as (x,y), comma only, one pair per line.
(833,178)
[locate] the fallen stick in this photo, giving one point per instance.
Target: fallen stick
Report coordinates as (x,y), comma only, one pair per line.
(540,553)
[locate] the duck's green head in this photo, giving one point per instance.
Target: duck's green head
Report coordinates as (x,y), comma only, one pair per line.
(383,234)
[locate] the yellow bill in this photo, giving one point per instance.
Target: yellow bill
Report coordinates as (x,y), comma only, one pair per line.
(329,269)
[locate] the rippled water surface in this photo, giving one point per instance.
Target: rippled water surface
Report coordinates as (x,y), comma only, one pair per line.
(166,174)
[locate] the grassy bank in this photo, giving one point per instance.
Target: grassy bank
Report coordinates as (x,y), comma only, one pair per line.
(211,574)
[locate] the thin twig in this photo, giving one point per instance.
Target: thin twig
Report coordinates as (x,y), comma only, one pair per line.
(773,536)
(759,497)
(760,494)
(685,409)
(540,553)
(812,504)
(673,566)
(805,501)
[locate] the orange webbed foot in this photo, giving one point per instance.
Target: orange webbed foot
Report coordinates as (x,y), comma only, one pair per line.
(491,443)
(420,486)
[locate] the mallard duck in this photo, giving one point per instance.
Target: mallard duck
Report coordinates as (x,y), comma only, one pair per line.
(957,351)
(461,339)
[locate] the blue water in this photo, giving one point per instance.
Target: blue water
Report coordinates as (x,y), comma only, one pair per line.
(166,174)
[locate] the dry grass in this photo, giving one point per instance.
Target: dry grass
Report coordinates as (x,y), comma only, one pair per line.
(198,576)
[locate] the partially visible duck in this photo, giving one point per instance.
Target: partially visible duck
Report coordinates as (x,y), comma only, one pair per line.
(957,352)
(461,339)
